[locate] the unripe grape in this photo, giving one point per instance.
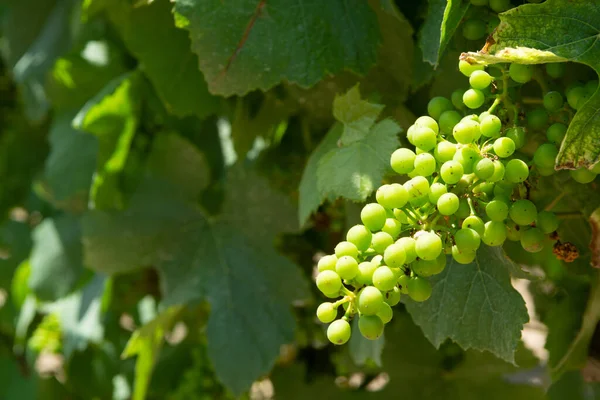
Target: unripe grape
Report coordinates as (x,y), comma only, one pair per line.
(326,313)
(393,195)
(456,99)
(437,106)
(474,29)
(394,255)
(365,272)
(346,249)
(467,68)
(494,233)
(547,222)
(451,172)
(532,240)
(556,133)
(464,257)
(370,326)
(392,227)
(419,289)
(448,121)
(346,267)
(582,175)
(428,122)
(339,332)
(329,282)
(516,171)
(426,268)
(498,172)
(500,5)
(513,231)
(428,246)
(400,216)
(518,135)
(576,97)
(403,161)
(521,73)
(384,278)
(473,98)
(327,263)
(403,283)
(537,119)
(417,187)
(444,151)
(467,240)
(386,313)
(424,165)
(369,300)
(484,168)
(373,216)
(497,210)
(504,147)
(380,241)
(448,204)
(475,223)
(392,297)
(553,101)
(490,126)
(467,156)
(435,191)
(480,80)
(424,138)
(360,236)
(408,244)
(555,70)
(523,212)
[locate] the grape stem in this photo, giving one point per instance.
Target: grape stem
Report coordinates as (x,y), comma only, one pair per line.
(537,76)
(412,214)
(471,206)
(341,301)
(569,215)
(495,104)
(347,292)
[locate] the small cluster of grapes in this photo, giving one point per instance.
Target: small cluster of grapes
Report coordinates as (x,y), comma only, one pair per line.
(467,185)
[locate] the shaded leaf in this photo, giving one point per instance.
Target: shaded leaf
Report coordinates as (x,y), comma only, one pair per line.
(362,349)
(357,116)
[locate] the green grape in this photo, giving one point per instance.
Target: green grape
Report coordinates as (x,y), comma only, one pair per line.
(365,272)
(392,227)
(576,97)
(484,168)
(435,191)
(467,68)
(532,240)
(329,282)
(475,223)
(417,187)
(339,332)
(494,233)
(463,209)
(523,212)
(503,189)
(326,312)
(492,24)
(545,155)
(369,300)
(490,126)
(428,122)
(328,262)
(480,80)
(419,289)
(346,267)
(513,231)
(403,161)
(384,278)
(467,240)
(473,98)
(553,101)
(386,313)
(437,106)
(426,268)
(474,29)
(392,297)
(537,119)
(504,147)
(346,249)
(556,133)
(360,236)
(392,196)
(381,240)
(591,87)
(547,222)
(497,210)
(448,121)
(408,244)
(451,172)
(400,216)
(448,204)
(456,98)
(521,73)
(498,172)
(582,175)
(424,138)
(394,255)
(517,134)
(487,188)
(555,70)
(428,246)
(500,5)
(403,282)
(516,171)
(370,326)
(444,151)
(464,257)
(424,165)
(467,156)
(373,216)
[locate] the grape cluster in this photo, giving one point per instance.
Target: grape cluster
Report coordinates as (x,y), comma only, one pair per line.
(465,184)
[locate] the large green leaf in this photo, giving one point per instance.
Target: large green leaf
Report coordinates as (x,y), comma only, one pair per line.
(164,54)
(362,349)
(244,45)
(358,116)
(475,305)
(443,17)
(229,261)
(556,30)
(56,258)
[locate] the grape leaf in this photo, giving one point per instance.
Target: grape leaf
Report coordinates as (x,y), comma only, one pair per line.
(245,45)
(112,116)
(164,54)
(145,343)
(556,30)
(71,164)
(310,197)
(362,349)
(354,171)
(358,116)
(443,18)
(13,385)
(57,252)
(475,305)
(228,260)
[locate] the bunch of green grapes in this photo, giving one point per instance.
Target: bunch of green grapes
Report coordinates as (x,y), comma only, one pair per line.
(467,185)
(47,336)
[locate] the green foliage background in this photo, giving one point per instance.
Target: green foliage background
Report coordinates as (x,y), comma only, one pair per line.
(171,171)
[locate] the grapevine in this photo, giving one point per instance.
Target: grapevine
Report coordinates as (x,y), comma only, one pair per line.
(467,181)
